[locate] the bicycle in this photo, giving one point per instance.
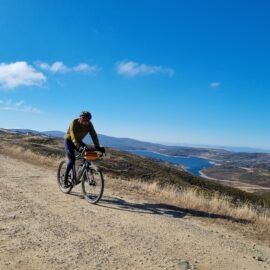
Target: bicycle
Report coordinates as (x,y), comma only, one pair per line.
(86,172)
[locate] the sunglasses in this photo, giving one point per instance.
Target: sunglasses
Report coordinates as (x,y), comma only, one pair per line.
(85,119)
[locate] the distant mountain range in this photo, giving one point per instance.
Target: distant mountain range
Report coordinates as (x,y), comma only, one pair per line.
(131,144)
(120,143)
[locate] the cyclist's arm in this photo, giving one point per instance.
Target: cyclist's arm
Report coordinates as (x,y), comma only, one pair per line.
(93,135)
(72,129)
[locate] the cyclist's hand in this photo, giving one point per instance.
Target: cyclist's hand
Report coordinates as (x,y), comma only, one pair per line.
(101,149)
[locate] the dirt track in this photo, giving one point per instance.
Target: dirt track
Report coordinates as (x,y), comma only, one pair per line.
(41,228)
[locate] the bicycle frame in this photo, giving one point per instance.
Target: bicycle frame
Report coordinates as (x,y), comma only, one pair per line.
(86,166)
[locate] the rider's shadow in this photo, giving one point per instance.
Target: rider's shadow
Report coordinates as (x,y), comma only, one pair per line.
(161,209)
(77,194)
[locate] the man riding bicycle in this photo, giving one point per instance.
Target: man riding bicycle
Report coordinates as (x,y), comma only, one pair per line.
(77,130)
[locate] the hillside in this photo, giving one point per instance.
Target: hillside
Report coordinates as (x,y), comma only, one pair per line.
(125,165)
(154,207)
(247,171)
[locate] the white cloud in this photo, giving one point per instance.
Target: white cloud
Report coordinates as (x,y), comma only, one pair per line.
(131,69)
(19,106)
(60,67)
(85,68)
(19,74)
(215,84)
(56,67)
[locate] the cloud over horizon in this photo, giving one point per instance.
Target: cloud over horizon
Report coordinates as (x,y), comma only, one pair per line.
(132,69)
(19,73)
(60,67)
(19,106)
(215,84)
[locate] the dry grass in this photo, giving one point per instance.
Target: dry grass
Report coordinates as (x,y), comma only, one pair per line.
(29,156)
(255,222)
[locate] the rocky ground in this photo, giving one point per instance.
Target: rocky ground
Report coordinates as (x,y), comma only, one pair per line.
(42,228)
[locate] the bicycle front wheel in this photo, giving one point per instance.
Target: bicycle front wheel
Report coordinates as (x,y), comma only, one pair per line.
(92,185)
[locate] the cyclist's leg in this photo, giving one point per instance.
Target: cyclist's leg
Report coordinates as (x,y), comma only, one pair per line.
(70,154)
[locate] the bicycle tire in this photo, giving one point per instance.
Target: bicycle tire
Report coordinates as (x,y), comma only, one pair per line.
(60,174)
(92,179)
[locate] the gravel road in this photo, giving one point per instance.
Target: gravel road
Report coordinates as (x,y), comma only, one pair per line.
(42,228)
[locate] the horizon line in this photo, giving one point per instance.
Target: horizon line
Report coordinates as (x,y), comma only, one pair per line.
(195,145)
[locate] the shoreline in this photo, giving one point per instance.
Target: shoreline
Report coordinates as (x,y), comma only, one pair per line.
(202,174)
(184,167)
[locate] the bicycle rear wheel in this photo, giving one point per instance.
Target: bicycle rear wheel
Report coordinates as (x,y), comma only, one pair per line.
(61,177)
(92,185)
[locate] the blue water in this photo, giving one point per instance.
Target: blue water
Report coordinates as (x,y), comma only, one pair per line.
(191,164)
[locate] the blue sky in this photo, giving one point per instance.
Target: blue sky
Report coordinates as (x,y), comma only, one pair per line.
(193,72)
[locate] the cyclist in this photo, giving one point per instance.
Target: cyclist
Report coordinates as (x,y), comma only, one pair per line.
(77,130)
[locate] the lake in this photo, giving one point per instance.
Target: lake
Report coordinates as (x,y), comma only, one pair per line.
(191,164)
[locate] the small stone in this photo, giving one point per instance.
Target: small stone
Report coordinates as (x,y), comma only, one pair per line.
(184,265)
(260,259)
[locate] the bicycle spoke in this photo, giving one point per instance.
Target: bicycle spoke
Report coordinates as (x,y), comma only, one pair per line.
(92,186)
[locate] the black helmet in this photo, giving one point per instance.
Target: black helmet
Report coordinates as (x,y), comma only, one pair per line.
(85,114)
